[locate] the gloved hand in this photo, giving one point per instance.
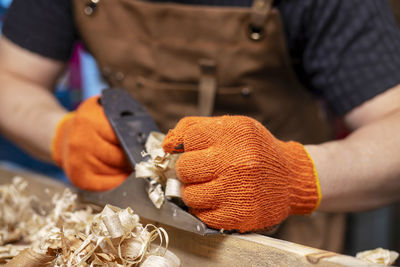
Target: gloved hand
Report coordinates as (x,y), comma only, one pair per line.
(237,176)
(85,146)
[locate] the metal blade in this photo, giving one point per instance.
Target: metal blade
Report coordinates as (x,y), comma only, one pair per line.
(132,125)
(133,193)
(129,120)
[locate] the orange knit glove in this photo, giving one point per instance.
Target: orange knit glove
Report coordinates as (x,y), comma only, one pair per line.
(237,176)
(85,146)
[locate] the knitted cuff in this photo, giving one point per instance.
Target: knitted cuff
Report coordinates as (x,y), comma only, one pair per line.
(60,134)
(304,187)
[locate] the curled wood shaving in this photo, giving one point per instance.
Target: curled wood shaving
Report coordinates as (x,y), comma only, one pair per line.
(160,168)
(8,252)
(29,257)
(161,261)
(17,218)
(379,255)
(67,236)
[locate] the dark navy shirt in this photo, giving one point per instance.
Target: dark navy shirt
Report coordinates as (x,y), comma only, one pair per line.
(345,51)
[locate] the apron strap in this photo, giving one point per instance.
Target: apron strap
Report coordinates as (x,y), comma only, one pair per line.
(207,87)
(259,14)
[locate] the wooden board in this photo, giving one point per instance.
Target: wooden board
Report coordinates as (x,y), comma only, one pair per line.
(219,250)
(250,250)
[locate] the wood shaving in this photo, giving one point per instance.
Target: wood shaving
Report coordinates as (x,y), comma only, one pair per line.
(68,236)
(160,169)
(7,252)
(379,255)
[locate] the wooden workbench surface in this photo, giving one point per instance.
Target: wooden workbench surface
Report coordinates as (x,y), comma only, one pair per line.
(219,250)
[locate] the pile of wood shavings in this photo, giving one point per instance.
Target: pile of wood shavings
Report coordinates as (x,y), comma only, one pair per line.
(67,236)
(160,168)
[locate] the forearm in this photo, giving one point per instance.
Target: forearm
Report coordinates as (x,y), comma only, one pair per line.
(28,115)
(363,170)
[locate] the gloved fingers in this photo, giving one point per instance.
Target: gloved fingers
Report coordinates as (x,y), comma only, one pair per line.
(104,166)
(90,105)
(108,182)
(91,174)
(90,111)
(197,166)
(109,153)
(105,130)
(202,195)
(195,133)
(99,182)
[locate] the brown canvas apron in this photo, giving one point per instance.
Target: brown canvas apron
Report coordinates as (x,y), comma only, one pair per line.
(181,60)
